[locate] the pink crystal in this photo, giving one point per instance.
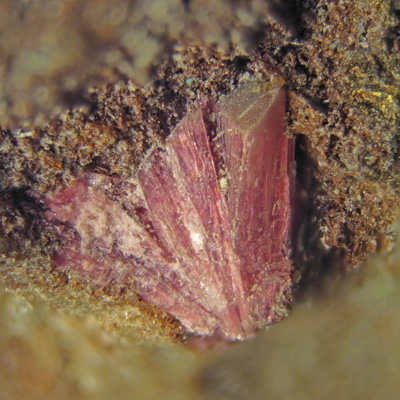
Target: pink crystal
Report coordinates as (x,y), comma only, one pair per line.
(203,228)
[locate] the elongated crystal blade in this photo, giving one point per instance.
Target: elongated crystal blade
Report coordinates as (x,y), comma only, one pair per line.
(259,163)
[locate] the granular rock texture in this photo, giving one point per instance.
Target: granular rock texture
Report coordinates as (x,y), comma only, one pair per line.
(345,100)
(54,51)
(117,81)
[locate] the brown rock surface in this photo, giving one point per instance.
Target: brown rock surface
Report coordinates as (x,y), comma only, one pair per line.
(94,87)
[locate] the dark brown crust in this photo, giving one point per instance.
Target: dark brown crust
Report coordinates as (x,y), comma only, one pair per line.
(345,101)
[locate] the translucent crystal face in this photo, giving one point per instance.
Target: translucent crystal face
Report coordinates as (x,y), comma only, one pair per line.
(202,229)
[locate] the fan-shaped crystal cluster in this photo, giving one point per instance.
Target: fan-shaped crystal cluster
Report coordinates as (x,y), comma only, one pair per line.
(203,228)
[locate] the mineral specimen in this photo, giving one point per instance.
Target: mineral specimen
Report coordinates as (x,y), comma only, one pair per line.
(203,227)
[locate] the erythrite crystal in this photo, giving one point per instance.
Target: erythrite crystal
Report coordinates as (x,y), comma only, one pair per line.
(203,228)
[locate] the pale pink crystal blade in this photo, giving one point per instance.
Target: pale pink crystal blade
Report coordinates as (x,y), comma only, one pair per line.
(259,163)
(190,217)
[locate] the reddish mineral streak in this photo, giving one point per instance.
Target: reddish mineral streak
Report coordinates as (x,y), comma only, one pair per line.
(203,228)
